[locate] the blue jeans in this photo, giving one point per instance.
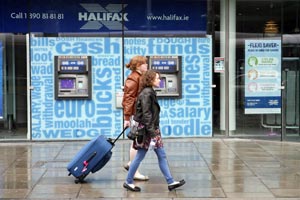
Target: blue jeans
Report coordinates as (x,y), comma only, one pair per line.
(162,161)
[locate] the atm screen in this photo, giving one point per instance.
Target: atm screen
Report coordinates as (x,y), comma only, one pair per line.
(167,65)
(67,83)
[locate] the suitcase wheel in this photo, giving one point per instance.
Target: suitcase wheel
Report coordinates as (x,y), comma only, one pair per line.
(80,179)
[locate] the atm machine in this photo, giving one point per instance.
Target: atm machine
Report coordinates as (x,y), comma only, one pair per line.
(170,72)
(72,77)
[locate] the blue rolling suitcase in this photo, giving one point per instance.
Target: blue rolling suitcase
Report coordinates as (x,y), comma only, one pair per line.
(92,157)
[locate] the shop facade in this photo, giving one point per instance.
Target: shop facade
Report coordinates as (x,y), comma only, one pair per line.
(229,68)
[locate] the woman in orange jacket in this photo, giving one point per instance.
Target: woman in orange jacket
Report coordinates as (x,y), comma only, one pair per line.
(137,65)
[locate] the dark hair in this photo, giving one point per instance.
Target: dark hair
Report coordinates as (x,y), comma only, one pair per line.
(147,78)
(135,62)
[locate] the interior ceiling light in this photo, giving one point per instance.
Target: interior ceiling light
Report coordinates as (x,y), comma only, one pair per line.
(271,27)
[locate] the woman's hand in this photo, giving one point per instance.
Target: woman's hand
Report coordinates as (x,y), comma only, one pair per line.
(152,144)
(126,123)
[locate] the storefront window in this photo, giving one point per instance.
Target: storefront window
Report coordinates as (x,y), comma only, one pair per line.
(274,79)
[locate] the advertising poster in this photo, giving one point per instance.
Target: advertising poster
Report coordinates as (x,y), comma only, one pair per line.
(219,64)
(75,119)
(262,76)
(1,80)
(71,119)
(191,115)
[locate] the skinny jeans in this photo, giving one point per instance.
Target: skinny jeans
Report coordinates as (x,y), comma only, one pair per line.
(162,162)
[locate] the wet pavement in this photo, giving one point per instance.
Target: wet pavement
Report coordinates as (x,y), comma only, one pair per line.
(213,169)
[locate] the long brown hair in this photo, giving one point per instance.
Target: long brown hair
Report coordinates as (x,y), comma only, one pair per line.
(135,62)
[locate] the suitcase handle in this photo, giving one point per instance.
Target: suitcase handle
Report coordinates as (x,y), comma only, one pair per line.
(86,162)
(119,136)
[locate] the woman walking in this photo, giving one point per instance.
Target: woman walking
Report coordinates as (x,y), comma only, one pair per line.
(147,114)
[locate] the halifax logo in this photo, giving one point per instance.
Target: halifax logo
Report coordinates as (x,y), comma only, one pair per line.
(98,17)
